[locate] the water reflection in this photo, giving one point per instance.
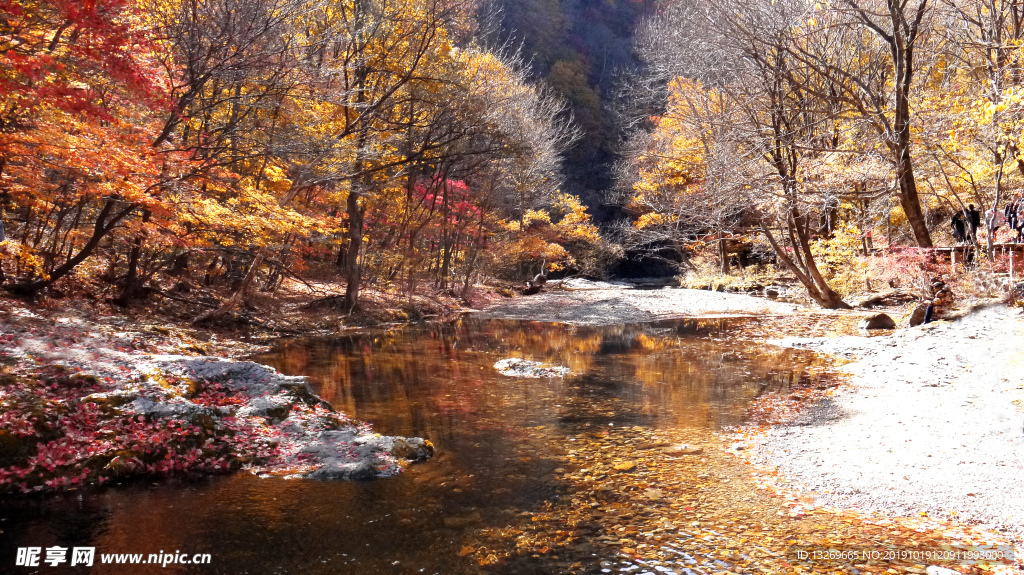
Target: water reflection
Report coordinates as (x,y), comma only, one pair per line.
(499,441)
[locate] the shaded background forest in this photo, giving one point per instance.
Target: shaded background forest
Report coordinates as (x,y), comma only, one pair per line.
(583,49)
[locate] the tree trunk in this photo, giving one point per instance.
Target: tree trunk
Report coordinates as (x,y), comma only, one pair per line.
(180,266)
(829,298)
(352,270)
(825,297)
(911,202)
(100,230)
(129,289)
(724,254)
(133,272)
(236,298)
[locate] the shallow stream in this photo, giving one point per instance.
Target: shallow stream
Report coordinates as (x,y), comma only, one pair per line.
(509,451)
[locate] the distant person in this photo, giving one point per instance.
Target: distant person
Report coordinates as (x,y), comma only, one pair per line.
(974,217)
(996,219)
(1016,209)
(957,227)
(1010,213)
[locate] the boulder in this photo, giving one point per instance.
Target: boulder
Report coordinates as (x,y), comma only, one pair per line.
(518,367)
(916,316)
(877,321)
(359,470)
(412,448)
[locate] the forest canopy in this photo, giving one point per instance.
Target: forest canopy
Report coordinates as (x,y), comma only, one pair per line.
(818,127)
(246,141)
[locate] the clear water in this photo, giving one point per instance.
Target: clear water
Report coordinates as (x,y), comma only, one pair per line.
(499,442)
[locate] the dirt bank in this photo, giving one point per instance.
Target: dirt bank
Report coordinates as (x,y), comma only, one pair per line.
(931,422)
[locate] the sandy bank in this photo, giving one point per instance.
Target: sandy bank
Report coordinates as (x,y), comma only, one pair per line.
(931,422)
(600,303)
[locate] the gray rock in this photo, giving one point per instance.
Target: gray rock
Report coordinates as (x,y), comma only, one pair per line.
(361,470)
(877,321)
(412,448)
(169,407)
(517,367)
(353,454)
(272,406)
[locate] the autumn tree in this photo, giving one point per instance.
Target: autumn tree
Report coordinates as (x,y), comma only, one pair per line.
(864,56)
(258,138)
(734,153)
(76,112)
(976,107)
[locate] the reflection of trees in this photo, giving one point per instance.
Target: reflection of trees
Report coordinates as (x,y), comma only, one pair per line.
(427,380)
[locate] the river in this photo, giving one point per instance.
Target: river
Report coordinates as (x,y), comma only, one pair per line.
(510,453)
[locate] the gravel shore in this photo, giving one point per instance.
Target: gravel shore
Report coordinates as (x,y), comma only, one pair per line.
(598,303)
(931,422)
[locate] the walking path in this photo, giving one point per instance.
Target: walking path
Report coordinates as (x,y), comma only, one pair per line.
(932,422)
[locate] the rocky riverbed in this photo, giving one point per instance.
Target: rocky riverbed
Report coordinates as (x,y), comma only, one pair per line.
(583,302)
(931,423)
(85,403)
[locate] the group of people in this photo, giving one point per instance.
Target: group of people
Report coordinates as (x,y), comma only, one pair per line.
(1014,213)
(961,220)
(965,224)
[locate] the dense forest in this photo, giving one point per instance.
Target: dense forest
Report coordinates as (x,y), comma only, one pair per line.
(240,142)
(584,50)
(410,145)
(825,131)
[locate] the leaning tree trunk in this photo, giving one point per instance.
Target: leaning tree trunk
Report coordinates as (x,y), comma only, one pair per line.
(239,294)
(101,228)
(816,285)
